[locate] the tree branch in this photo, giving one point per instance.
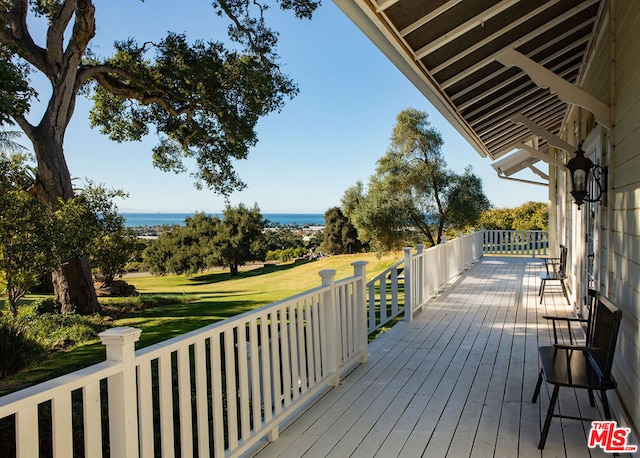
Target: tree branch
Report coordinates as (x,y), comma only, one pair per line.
(25,125)
(101,75)
(55,33)
(424,228)
(18,36)
(84,29)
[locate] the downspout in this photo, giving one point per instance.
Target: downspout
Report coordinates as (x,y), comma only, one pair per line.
(520,180)
(611,152)
(553,210)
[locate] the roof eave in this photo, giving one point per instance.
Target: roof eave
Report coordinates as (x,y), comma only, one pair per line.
(376,30)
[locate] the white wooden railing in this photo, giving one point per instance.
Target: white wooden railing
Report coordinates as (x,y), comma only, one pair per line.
(220,390)
(216,391)
(522,243)
(422,274)
(432,269)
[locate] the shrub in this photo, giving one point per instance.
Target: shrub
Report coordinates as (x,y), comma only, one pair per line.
(16,349)
(49,329)
(45,305)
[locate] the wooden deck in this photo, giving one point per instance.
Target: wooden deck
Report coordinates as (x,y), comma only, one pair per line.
(457,381)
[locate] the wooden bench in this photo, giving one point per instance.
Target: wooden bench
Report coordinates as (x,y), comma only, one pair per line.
(582,366)
(556,270)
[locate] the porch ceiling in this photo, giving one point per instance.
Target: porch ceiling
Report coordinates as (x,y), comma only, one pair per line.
(452,51)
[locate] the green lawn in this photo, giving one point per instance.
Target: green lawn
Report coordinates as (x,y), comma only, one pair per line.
(196,301)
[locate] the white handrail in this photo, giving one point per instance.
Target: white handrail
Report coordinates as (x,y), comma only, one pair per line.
(221,389)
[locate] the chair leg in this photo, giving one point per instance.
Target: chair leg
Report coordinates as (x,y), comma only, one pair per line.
(542,285)
(547,420)
(605,405)
(592,401)
(564,290)
(537,390)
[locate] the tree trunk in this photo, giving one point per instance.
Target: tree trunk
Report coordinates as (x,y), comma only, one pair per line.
(74,289)
(60,62)
(72,282)
(234,270)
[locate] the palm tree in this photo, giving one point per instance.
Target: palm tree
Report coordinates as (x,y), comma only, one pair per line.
(7,143)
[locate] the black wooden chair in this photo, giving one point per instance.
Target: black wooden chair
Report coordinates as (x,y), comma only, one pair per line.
(582,366)
(556,270)
(583,323)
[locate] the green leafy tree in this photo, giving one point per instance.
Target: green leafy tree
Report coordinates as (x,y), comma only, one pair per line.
(202,98)
(340,236)
(532,216)
(379,216)
(26,248)
(281,239)
(113,246)
(183,249)
(412,190)
(497,218)
(281,244)
(239,239)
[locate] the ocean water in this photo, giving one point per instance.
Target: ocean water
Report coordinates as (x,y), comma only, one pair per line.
(159,219)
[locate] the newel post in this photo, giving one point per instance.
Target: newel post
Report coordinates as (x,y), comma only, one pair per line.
(331,325)
(460,245)
(360,271)
(418,276)
(408,306)
(123,404)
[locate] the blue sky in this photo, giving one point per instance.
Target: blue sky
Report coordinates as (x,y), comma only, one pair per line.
(321,143)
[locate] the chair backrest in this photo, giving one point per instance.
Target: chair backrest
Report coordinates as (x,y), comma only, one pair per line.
(603,336)
(593,300)
(562,267)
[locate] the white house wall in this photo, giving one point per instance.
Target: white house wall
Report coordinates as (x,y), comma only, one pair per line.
(619,242)
(625,268)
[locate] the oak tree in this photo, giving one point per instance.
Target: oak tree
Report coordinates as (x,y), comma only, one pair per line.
(203,98)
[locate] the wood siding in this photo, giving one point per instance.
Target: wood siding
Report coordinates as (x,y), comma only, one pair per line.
(625,200)
(619,244)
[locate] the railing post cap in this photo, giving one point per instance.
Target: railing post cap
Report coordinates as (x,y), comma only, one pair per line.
(120,334)
(327,273)
(407,249)
(359,263)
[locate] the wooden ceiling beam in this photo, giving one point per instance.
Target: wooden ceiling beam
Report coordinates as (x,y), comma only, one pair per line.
(524,39)
(464,28)
(512,25)
(429,17)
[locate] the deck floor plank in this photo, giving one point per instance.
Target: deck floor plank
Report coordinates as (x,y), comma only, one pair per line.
(455,381)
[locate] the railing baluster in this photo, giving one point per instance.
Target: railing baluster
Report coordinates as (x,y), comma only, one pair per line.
(166,405)
(202,411)
(242,370)
(215,353)
(184,401)
(145,409)
(301,345)
(276,384)
(27,432)
(92,419)
(62,426)
(266,371)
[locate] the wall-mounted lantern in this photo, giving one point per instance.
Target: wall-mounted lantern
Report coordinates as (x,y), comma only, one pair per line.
(583,171)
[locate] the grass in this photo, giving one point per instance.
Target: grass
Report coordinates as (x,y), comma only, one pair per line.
(173,305)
